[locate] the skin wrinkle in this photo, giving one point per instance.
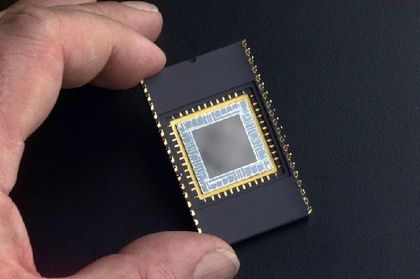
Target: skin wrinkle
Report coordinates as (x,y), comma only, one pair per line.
(66,57)
(15,270)
(10,236)
(6,208)
(61,47)
(4,80)
(158,271)
(108,49)
(114,53)
(44,20)
(4,83)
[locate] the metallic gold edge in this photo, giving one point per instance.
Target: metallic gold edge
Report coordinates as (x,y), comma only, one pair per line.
(171,158)
(267,102)
(195,114)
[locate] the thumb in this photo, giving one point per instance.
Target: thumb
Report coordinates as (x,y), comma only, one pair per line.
(168,255)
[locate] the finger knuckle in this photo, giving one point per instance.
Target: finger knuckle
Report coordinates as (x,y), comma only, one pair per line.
(28,34)
(27,21)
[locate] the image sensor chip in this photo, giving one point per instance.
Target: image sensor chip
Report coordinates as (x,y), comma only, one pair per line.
(224,146)
(223,137)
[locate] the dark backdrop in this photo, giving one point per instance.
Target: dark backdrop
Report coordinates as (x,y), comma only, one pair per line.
(345,76)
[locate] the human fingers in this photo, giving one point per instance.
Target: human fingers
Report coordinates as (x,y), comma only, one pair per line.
(43,49)
(168,255)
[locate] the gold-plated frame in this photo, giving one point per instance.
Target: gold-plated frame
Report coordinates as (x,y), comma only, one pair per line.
(208,109)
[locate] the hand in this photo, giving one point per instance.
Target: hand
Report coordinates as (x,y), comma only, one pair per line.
(68,43)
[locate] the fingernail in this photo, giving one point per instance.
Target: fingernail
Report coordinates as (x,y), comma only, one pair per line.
(220,264)
(141,6)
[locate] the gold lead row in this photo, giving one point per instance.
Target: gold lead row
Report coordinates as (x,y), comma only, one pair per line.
(171,158)
(275,121)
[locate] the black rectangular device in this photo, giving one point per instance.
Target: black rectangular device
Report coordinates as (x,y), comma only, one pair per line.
(227,148)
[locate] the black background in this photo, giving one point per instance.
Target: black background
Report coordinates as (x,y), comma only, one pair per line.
(345,77)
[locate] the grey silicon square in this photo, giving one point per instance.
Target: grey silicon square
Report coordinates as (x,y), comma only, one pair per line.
(224,146)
